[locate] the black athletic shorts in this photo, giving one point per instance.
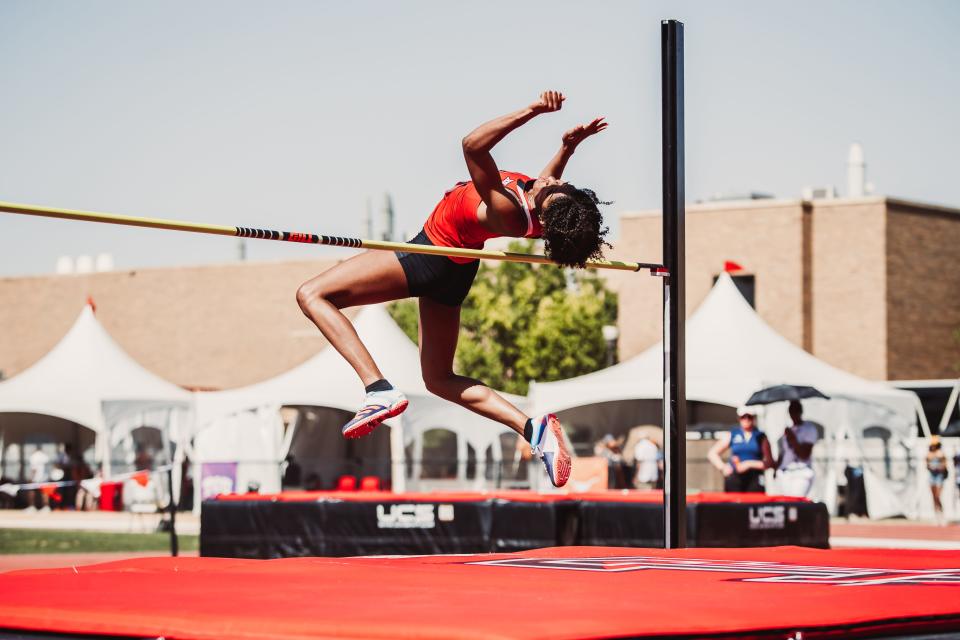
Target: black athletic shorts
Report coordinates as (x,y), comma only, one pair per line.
(437,277)
(750,481)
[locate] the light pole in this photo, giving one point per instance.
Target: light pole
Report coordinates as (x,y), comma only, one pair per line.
(610,335)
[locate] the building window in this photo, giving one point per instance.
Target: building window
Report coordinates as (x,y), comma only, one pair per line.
(746,285)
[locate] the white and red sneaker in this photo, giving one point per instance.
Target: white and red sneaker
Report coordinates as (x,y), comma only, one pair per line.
(548,444)
(377,407)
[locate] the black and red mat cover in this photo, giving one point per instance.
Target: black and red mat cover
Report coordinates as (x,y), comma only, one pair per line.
(325,523)
(563,592)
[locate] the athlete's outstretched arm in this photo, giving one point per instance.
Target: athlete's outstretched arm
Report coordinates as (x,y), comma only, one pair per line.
(478,143)
(568,145)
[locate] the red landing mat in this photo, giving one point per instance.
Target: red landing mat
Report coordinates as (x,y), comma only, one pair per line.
(564,592)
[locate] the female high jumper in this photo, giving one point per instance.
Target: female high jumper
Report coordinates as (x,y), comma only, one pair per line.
(494,204)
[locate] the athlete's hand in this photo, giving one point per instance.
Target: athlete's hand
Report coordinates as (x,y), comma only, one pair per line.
(739,466)
(581,132)
(548,101)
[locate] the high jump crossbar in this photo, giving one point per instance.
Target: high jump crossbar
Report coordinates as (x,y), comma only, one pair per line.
(309,238)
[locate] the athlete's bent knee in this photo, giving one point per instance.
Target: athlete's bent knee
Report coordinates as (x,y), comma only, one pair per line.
(304,295)
(438,384)
(309,292)
(320,289)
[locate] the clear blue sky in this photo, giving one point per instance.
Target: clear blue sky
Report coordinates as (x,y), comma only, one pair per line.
(291,114)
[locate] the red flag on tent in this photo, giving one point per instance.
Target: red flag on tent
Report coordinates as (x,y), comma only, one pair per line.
(729,266)
(93,305)
(142,478)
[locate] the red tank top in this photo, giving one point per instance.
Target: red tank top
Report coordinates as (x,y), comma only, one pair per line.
(454,222)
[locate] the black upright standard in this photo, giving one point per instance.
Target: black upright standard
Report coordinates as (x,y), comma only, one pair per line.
(174,545)
(674,353)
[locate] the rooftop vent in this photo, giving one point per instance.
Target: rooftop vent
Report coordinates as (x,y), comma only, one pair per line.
(819,193)
(67,265)
(857,185)
(743,195)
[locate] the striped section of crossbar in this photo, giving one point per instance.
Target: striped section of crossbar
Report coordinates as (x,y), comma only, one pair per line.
(293,236)
(308,238)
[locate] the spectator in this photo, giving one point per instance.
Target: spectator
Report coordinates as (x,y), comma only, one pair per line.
(292,473)
(646,457)
(750,455)
(84,499)
(956,473)
(186,485)
(143,459)
(39,472)
(8,493)
(312,482)
(609,449)
(660,469)
(65,466)
(856,495)
(937,470)
(795,464)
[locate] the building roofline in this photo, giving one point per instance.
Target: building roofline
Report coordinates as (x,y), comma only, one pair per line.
(926,384)
(928,206)
(774,203)
(697,207)
(240,264)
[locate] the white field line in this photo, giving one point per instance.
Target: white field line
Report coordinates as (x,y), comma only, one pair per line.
(893,543)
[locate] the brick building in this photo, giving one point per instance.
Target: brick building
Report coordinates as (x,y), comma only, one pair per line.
(207,327)
(870,285)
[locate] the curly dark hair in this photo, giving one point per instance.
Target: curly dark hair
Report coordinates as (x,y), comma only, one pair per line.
(573,229)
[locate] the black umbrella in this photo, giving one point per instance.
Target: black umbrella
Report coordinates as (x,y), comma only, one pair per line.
(953,429)
(783,392)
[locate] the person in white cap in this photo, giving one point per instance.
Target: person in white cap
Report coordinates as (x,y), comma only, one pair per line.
(750,455)
(937,472)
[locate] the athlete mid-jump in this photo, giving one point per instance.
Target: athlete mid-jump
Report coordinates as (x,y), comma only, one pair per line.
(493,204)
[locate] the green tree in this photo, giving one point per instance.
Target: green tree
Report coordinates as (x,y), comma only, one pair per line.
(528,322)
(404,313)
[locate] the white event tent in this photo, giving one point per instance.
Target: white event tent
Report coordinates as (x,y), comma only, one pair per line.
(87,379)
(327,381)
(732,352)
